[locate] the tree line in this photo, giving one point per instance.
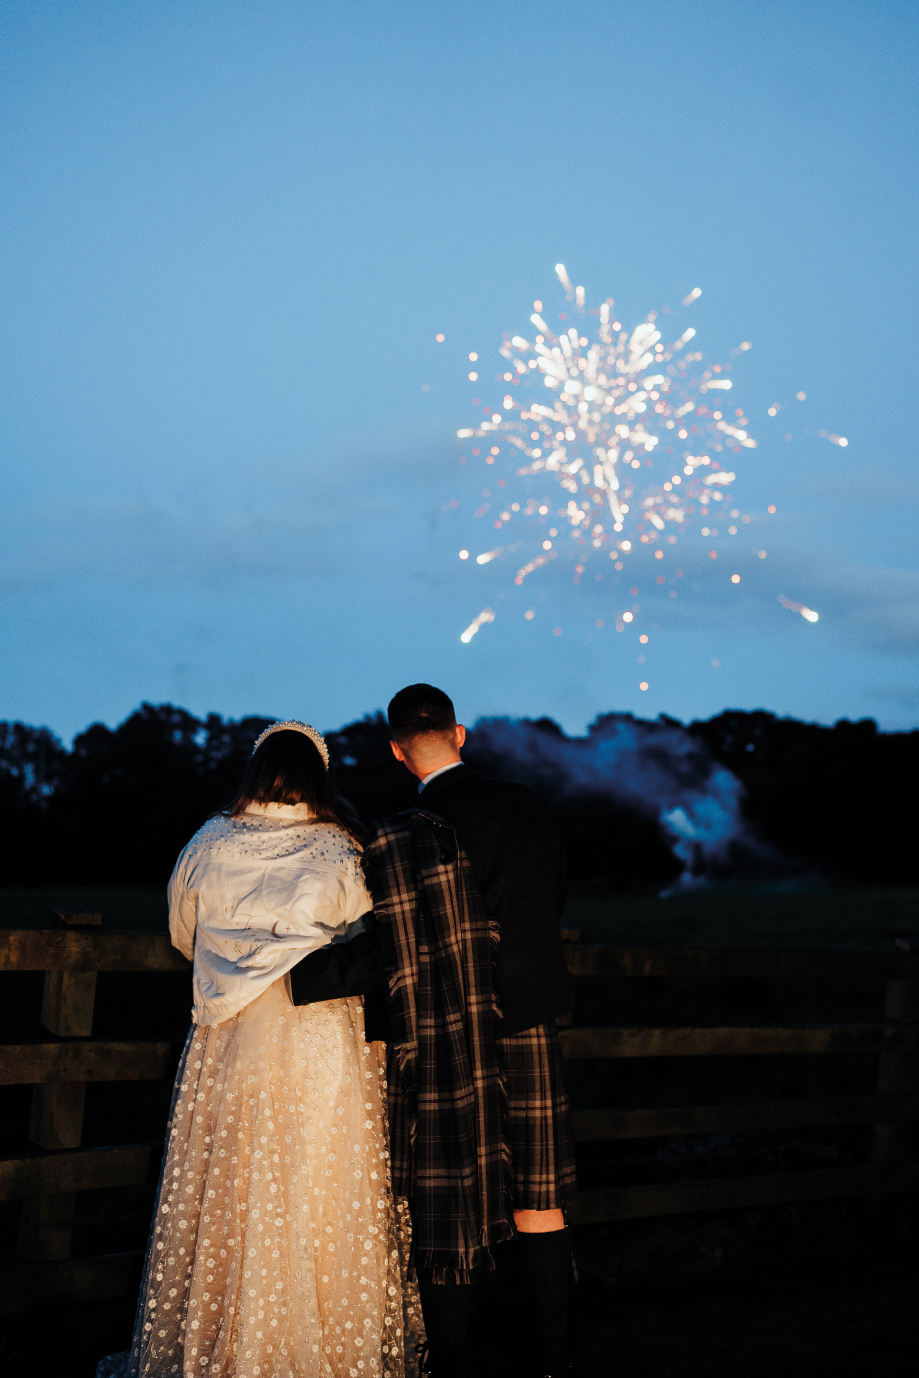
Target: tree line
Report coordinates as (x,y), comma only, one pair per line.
(831,802)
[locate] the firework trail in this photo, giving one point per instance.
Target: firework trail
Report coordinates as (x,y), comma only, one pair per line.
(486,615)
(807,613)
(597,415)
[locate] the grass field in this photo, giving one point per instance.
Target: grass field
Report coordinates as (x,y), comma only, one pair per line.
(727,916)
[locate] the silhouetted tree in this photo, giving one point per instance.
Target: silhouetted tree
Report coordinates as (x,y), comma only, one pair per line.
(842,798)
(32,761)
(127,800)
(119,806)
(366,772)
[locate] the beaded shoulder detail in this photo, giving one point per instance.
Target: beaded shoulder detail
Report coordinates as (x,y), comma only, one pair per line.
(261,838)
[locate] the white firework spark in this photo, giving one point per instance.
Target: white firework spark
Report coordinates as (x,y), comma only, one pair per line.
(607,405)
(642,438)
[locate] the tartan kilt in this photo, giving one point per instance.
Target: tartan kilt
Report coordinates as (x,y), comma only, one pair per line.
(543,1173)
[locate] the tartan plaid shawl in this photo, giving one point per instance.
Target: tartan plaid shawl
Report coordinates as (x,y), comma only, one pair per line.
(447,1103)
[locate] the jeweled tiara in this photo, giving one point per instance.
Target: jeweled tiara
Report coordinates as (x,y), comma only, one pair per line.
(292,726)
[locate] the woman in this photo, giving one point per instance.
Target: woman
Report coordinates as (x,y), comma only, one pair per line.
(275,1246)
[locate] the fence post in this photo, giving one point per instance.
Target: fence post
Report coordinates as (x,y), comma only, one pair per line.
(896,1070)
(46,1222)
(570,939)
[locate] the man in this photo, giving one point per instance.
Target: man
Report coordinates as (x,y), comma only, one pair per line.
(468,889)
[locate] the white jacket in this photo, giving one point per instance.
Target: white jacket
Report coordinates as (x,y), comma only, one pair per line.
(250,896)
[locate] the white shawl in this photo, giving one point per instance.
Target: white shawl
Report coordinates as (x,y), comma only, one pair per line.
(250,896)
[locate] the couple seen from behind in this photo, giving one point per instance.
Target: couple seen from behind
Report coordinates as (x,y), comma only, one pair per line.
(371,1105)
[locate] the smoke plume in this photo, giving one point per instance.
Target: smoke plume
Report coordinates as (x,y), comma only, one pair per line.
(657,769)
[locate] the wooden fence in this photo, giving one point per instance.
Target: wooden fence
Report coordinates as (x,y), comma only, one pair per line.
(894,1038)
(47,1178)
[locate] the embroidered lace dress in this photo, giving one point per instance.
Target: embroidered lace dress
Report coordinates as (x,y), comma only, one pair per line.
(277,1250)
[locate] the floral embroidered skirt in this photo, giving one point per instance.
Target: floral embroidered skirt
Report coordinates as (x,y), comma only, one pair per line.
(276,1249)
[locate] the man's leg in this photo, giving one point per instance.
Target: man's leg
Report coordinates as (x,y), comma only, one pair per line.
(543,1168)
(544,1259)
(445,1308)
(539,1222)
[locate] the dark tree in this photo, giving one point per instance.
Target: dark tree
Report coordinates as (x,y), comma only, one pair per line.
(842,799)
(366,772)
(32,762)
(120,806)
(130,798)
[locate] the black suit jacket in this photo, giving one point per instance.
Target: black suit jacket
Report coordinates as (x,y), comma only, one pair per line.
(515,850)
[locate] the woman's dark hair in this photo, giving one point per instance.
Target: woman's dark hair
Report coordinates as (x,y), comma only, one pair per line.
(287,769)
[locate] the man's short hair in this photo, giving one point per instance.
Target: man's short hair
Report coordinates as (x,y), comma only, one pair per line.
(420,710)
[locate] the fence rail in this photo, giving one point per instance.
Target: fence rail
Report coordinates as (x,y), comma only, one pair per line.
(41,1063)
(736,1040)
(657,1123)
(47,1178)
(732,961)
(87,949)
(728,1193)
(88,1170)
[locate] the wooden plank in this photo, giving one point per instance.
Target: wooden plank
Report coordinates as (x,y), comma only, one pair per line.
(96,950)
(46,1227)
(585,960)
(28,1063)
(67,1003)
(593,1126)
(72,1279)
(635,1203)
(897,1073)
(93,1168)
(57,1114)
(703,1042)
(75,949)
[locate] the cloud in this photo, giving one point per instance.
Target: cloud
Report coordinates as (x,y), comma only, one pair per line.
(875,606)
(880,489)
(368,507)
(72,538)
(903,695)
(353,508)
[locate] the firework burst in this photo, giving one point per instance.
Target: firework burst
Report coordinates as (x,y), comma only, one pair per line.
(599,416)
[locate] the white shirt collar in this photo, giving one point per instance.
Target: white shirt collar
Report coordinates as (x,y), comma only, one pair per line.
(434,773)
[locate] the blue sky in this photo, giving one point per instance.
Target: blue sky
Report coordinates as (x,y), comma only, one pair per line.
(231,233)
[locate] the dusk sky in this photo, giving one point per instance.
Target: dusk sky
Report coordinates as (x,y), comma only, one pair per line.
(231,234)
